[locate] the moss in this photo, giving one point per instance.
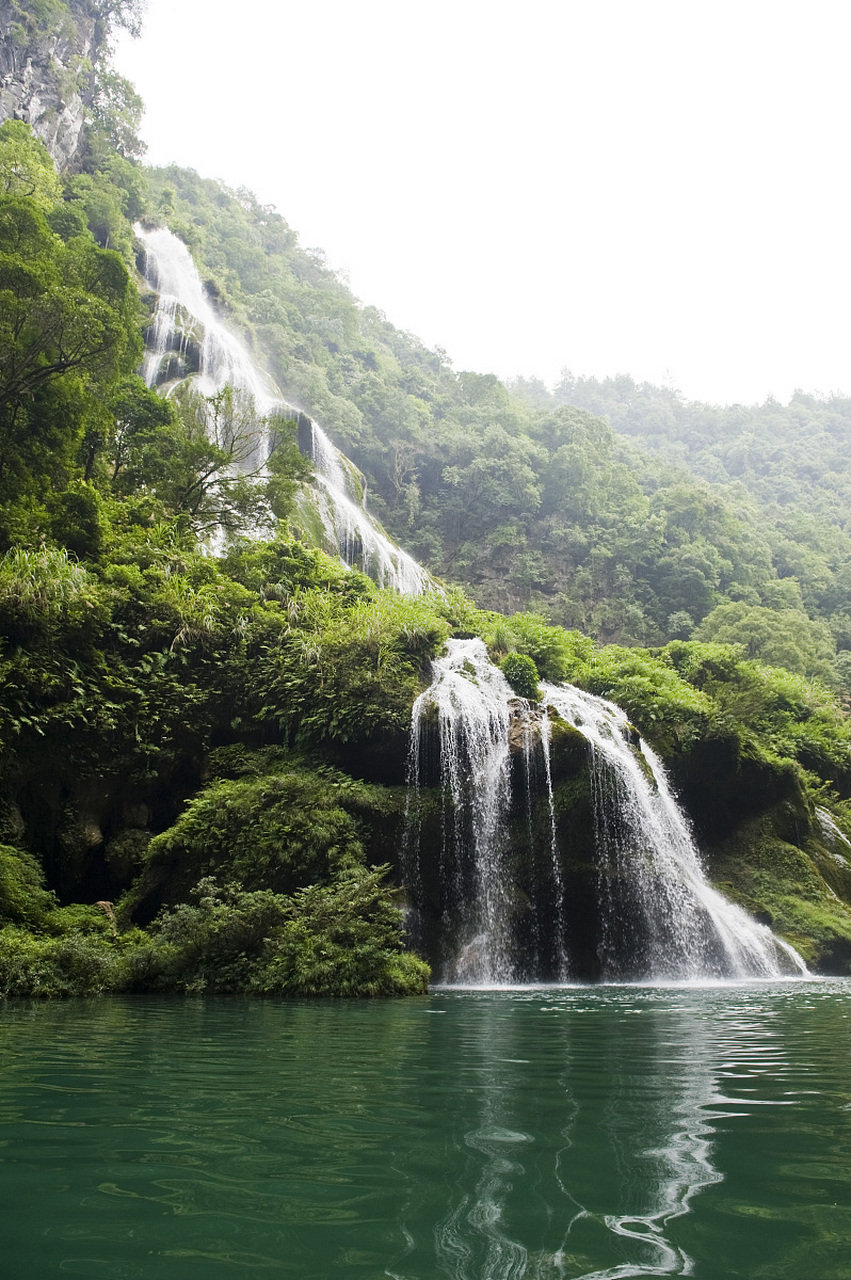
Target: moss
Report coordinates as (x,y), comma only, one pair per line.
(782,884)
(569,749)
(86,919)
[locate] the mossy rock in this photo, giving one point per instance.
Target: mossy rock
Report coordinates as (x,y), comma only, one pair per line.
(722,786)
(569,749)
(782,883)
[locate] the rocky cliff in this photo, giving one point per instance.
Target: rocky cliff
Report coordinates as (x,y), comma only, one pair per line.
(46,71)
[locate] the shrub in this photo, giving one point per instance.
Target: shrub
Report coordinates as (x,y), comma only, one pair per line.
(668,710)
(273,830)
(214,943)
(23,897)
(344,672)
(73,965)
(343,939)
(522,674)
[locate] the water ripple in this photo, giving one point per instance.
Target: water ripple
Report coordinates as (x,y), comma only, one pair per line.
(548,1135)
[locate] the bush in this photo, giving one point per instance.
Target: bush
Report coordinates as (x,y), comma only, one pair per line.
(73,965)
(216,942)
(557,654)
(343,939)
(337,939)
(669,711)
(23,897)
(522,674)
(280,829)
(345,673)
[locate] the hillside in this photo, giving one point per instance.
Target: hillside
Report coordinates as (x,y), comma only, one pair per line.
(793,460)
(205,721)
(524,502)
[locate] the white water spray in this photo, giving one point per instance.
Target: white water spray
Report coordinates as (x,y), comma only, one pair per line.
(470,698)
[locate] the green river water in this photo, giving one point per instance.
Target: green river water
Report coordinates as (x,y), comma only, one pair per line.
(573,1132)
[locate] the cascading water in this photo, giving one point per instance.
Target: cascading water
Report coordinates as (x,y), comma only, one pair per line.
(185,318)
(835,839)
(504,909)
(188,339)
(350,529)
(474,714)
(470,699)
(660,915)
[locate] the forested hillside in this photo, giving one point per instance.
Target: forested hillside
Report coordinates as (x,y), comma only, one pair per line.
(525,499)
(204,731)
(794,460)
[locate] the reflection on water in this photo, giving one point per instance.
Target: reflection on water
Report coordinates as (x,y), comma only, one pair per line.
(576,1133)
(628,1149)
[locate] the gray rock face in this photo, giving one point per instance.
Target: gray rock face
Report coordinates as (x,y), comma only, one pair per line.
(44,80)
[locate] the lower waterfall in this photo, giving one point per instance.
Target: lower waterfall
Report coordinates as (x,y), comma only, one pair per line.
(490,875)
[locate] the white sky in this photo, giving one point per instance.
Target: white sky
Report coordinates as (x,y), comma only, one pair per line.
(656,187)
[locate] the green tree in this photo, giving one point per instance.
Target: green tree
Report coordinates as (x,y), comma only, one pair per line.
(26,169)
(68,331)
(781,638)
(213,461)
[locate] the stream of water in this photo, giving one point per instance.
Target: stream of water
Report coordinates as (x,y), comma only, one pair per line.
(575,1133)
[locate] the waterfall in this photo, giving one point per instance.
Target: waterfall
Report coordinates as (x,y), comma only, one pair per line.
(505,911)
(479,724)
(652,886)
(357,538)
(185,316)
(470,699)
(187,338)
(835,839)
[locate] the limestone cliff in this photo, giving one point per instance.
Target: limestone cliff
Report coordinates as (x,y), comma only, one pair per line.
(46,76)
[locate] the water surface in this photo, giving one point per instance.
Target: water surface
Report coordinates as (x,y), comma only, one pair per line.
(577,1132)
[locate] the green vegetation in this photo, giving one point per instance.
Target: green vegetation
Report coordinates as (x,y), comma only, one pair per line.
(203,755)
(787,468)
(527,500)
(522,674)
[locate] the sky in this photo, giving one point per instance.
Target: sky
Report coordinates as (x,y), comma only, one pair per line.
(607,186)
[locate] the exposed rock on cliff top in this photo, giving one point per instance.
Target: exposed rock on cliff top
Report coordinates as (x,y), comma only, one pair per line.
(46,75)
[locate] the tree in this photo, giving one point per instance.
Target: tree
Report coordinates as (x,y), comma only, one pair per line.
(116,112)
(780,638)
(212,460)
(26,169)
(127,14)
(68,330)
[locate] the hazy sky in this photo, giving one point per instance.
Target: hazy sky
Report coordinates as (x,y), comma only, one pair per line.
(643,186)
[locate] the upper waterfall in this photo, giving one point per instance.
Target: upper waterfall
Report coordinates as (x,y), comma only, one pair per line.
(187,338)
(500,898)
